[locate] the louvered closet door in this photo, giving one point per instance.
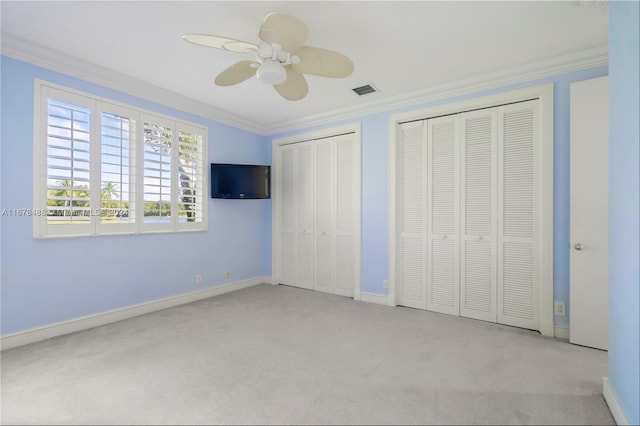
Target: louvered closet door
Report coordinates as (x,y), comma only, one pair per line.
(346,165)
(478,180)
(325,206)
(443,215)
(517,272)
(286,190)
(304,257)
(412,253)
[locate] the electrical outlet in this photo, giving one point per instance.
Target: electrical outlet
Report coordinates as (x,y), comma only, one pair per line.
(199,279)
(227,274)
(559,308)
(386,284)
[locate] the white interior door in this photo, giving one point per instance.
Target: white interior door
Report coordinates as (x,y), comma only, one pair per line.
(443,286)
(304,256)
(518,274)
(478,280)
(346,220)
(589,177)
(286,190)
(325,207)
(412,255)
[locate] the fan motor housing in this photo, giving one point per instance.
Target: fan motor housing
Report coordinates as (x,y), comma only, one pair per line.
(271,72)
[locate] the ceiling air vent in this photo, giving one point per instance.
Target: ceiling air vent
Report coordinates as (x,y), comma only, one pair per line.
(363,90)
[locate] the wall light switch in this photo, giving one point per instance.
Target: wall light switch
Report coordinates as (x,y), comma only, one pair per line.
(559,308)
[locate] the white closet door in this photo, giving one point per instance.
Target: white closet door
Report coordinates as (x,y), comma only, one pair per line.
(305,216)
(478,286)
(287,208)
(443,286)
(412,255)
(346,220)
(517,272)
(325,207)
(317,210)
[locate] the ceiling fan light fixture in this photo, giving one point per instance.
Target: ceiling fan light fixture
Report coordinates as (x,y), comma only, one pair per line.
(281,58)
(271,72)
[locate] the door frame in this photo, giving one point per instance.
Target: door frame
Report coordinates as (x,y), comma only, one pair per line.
(544,196)
(356,129)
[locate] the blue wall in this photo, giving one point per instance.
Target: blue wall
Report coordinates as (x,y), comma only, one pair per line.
(624,206)
(375,191)
(47,281)
(119,278)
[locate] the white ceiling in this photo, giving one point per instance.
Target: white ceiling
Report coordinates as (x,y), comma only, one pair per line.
(399,47)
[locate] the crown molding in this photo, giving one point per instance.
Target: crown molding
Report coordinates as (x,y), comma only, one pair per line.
(576,61)
(34,54)
(54,60)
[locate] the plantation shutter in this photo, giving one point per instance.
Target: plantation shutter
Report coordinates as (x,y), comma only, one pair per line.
(325,206)
(189,185)
(118,127)
(305,215)
(287,213)
(157,171)
(443,215)
(517,274)
(68,160)
(104,168)
(478,181)
(413,254)
(345,208)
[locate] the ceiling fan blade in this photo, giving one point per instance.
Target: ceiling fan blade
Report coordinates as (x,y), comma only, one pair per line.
(323,62)
(286,30)
(236,73)
(209,40)
(295,86)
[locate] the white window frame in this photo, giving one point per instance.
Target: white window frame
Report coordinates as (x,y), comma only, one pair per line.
(43,91)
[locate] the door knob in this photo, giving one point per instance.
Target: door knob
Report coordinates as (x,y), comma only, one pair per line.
(578,246)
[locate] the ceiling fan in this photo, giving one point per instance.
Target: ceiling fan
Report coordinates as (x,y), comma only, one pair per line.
(281,58)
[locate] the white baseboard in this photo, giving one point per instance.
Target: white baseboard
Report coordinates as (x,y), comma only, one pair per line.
(65,327)
(546,328)
(374,298)
(561,332)
(612,402)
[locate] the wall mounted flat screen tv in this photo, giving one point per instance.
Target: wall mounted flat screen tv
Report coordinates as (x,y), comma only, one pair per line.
(240,181)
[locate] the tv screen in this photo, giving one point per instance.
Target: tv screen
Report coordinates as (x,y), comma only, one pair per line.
(240,181)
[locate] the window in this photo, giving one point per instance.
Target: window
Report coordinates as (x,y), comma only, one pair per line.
(190,173)
(68,158)
(117,186)
(103,168)
(156,172)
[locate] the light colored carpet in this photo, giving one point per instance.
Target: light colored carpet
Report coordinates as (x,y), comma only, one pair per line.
(281,355)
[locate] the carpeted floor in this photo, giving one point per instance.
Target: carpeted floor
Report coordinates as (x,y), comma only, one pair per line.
(281,355)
